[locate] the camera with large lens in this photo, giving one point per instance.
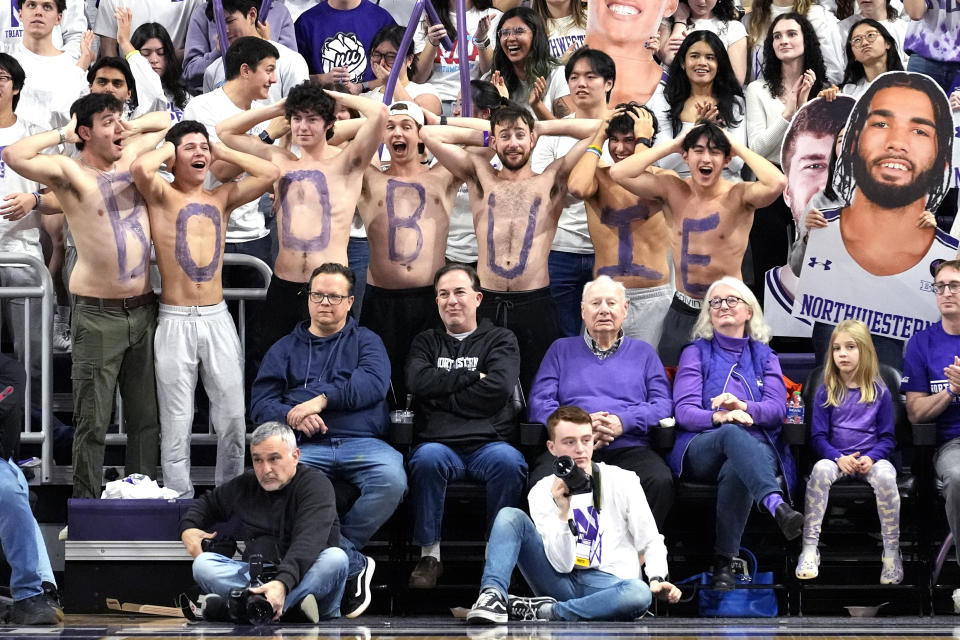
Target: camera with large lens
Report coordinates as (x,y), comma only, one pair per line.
(246,607)
(577,480)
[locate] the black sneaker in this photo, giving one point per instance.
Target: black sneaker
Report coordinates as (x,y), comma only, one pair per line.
(35,610)
(305,611)
(356,593)
(789,521)
(490,608)
(53,597)
(722,579)
(528,608)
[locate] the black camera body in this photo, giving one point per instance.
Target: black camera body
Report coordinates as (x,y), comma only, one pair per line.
(577,480)
(245,607)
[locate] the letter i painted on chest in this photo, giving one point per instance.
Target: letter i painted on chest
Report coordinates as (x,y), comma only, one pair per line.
(620,219)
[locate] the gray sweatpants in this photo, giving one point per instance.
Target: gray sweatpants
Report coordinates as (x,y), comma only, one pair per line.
(646,309)
(191,340)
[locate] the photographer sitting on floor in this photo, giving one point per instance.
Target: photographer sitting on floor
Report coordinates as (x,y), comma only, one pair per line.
(289,518)
(579,551)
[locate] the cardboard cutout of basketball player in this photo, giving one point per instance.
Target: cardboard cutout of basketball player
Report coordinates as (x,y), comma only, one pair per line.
(805,158)
(872,262)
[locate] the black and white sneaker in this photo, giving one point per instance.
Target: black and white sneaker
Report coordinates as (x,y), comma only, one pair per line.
(490,608)
(528,608)
(305,611)
(356,593)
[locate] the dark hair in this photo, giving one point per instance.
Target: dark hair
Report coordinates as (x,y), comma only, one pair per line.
(231,6)
(760,19)
(812,56)
(184,127)
(843,177)
(854,71)
(456,266)
(600,63)
(538,62)
(120,65)
(335,268)
(947,264)
(341,88)
(828,191)
(577,8)
(509,114)
(623,123)
(724,10)
(61,5)
(10,64)
(90,105)
(309,97)
(818,118)
(485,96)
(716,138)
(725,87)
(576,415)
(445,8)
(393,33)
(171,79)
(248,50)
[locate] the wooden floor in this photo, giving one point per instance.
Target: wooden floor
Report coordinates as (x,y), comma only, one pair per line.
(120,626)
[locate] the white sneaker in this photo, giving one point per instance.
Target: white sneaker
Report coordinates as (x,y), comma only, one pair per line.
(62,342)
(892,571)
(808,565)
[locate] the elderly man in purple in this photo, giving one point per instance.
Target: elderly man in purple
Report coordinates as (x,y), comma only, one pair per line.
(619,381)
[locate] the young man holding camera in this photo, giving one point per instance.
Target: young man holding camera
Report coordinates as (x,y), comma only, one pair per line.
(578,548)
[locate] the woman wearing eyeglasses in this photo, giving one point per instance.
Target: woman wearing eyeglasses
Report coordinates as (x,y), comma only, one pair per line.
(871,50)
(882,11)
(730,402)
(383,55)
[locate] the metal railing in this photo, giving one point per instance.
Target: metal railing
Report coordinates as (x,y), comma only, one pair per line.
(44,291)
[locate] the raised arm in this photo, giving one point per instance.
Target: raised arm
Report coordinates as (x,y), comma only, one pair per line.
(262,175)
(365,143)
(146,172)
(26,158)
(770,181)
(632,174)
(444,142)
(233,131)
(582,181)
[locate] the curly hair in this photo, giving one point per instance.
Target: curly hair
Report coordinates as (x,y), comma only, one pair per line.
(854,72)
(538,63)
(760,18)
(725,87)
(812,56)
(171,80)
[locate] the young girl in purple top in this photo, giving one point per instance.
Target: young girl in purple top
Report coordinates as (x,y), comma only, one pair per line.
(852,431)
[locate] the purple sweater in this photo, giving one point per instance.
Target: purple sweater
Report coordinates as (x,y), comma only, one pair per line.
(630,384)
(853,426)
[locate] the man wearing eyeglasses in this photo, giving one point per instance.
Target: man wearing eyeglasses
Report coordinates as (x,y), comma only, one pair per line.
(328,380)
(931,380)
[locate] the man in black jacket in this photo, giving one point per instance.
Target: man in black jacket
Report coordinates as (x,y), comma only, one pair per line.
(289,517)
(463,377)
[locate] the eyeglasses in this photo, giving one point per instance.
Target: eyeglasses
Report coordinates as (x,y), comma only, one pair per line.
(732,302)
(332,298)
(939,288)
(389,58)
(866,38)
(516,31)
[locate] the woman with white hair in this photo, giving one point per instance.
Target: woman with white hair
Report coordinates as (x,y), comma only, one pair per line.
(730,402)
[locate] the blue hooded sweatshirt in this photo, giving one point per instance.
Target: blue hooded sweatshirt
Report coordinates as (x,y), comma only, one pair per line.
(351,367)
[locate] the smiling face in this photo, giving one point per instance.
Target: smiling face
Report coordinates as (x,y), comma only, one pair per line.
(192,159)
(603,308)
(621,145)
(896,149)
(239,25)
(787,40)
(513,142)
(112,81)
(261,78)
(102,139)
(727,320)
(308,129)
(865,50)
(807,174)
(516,38)
(274,463)
(587,87)
(402,138)
(457,301)
(39,17)
(846,354)
(706,163)
(625,22)
(700,64)
(155,54)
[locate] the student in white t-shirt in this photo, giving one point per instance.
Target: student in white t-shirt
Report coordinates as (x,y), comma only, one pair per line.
(174,15)
(718,16)
(66,35)
(241,19)
(154,44)
(566,22)
(382,56)
(884,12)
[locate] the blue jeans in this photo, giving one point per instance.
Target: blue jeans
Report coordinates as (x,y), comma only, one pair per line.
(358,255)
(219,574)
(569,272)
(745,470)
(945,74)
(376,469)
(582,594)
(20,536)
(497,465)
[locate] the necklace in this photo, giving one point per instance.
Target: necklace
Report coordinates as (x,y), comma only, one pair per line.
(105,174)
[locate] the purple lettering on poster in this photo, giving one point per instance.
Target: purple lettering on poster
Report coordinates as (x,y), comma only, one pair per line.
(518,268)
(290,180)
(687,259)
(125,210)
(194,271)
(395,222)
(621,219)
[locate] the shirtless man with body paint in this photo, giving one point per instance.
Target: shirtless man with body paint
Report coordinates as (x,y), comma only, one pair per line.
(317,192)
(515,212)
(194,329)
(709,217)
(116,314)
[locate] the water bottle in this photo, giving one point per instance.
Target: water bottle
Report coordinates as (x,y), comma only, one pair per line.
(795,409)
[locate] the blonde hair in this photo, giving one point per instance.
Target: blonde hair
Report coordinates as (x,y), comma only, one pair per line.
(756,328)
(760,19)
(866,375)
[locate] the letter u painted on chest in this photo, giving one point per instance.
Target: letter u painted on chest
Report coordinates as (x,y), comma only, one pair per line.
(119,191)
(290,180)
(518,268)
(194,271)
(396,222)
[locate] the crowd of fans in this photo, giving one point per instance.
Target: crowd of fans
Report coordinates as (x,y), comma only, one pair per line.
(540,248)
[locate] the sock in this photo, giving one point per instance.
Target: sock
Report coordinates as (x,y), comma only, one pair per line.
(772,501)
(432,550)
(546,612)
(808,548)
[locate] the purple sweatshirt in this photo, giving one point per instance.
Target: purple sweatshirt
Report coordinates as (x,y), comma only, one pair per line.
(853,426)
(630,384)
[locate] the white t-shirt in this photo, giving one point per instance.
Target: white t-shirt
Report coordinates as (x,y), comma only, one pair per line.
(564,32)
(674,161)
(23,235)
(557,88)
(414,89)
(897,28)
(150,93)
(246,221)
(66,35)
(296,7)
(446,64)
(728,32)
(53,83)
(291,71)
(572,233)
(824,23)
(462,235)
(174,15)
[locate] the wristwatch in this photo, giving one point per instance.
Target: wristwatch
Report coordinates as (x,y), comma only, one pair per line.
(365,86)
(266,137)
(483,44)
(656,579)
